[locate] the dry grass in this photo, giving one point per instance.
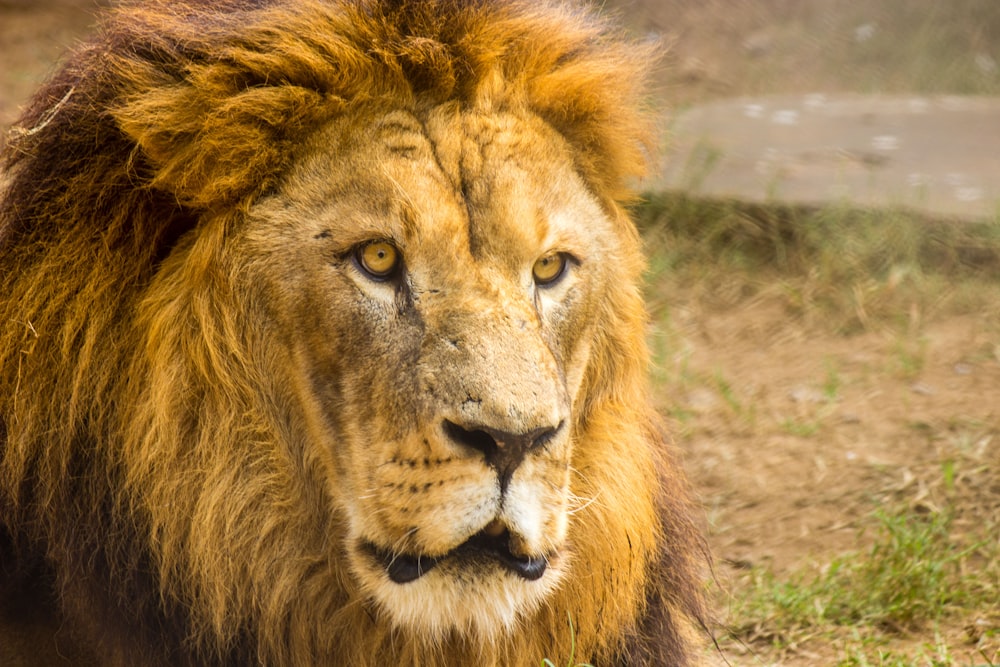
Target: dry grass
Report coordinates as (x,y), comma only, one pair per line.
(849,268)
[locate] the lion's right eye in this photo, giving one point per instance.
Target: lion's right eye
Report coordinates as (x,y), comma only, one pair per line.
(549,268)
(380,260)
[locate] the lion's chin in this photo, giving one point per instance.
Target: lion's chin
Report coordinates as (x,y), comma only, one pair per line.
(485,547)
(483,586)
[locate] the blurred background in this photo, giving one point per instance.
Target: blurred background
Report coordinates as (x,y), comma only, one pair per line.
(824,287)
(725,48)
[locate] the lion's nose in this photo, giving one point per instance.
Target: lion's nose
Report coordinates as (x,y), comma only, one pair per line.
(503,450)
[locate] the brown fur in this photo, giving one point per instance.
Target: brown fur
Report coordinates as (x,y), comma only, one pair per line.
(153,477)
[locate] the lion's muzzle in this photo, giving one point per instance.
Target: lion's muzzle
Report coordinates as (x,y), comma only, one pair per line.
(503,451)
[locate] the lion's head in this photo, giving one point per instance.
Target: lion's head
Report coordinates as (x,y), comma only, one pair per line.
(324,345)
(433,297)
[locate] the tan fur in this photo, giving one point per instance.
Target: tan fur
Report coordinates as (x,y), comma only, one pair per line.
(210,415)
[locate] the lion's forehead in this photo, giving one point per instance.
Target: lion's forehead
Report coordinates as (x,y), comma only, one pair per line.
(503,182)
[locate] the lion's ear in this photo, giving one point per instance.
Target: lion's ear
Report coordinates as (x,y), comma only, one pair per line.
(209,142)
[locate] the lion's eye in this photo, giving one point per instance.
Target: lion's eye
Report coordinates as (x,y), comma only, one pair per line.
(549,268)
(379,259)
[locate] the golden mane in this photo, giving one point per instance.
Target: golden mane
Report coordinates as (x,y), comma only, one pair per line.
(117,397)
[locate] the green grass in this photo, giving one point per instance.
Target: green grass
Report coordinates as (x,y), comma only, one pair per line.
(916,572)
(909,356)
(936,654)
(572,650)
(801,428)
(833,382)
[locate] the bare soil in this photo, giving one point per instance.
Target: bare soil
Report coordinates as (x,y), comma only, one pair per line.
(793,433)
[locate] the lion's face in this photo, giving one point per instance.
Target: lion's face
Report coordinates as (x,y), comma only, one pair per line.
(434,282)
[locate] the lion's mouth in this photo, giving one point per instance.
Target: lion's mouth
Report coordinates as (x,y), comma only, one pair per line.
(488,543)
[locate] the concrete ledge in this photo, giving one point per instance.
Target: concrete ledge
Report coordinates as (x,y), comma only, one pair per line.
(936,155)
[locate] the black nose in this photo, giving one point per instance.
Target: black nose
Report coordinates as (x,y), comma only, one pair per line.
(503,450)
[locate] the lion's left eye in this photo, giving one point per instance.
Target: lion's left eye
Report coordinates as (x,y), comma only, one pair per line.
(548,269)
(379,259)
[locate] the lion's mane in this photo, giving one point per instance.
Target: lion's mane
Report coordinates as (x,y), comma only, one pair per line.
(145,483)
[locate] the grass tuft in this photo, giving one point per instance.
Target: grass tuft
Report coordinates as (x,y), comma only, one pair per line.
(916,572)
(854,268)
(572,650)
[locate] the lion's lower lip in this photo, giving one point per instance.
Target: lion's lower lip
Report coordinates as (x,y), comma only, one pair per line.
(498,547)
(404,568)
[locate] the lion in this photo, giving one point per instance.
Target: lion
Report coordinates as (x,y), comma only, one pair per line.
(322,342)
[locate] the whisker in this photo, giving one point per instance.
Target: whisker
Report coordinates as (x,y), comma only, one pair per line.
(586,502)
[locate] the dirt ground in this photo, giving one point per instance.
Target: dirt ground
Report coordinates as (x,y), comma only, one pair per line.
(793,433)
(813,430)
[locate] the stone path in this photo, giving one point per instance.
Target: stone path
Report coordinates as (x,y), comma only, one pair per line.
(938,155)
